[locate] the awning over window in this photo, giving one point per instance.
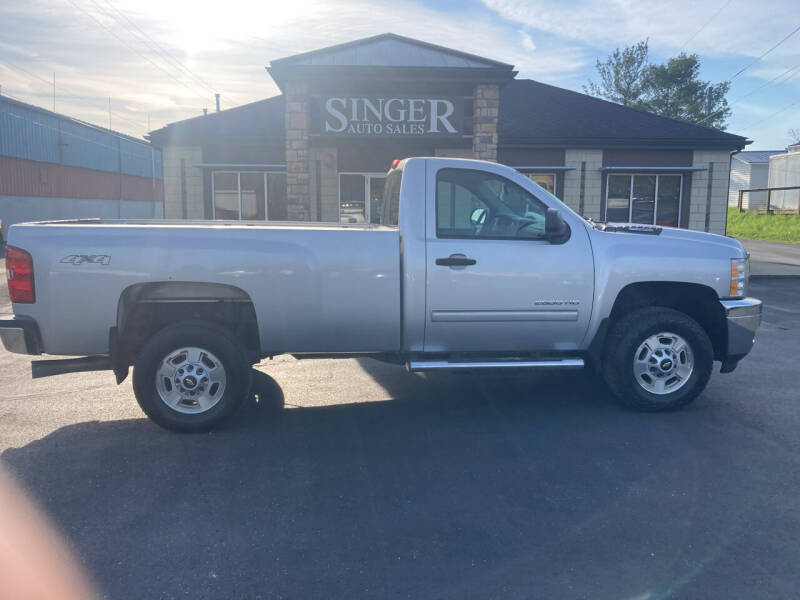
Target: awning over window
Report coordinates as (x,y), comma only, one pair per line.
(542,168)
(278,166)
(652,169)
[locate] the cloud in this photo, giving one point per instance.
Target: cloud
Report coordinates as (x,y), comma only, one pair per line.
(527,41)
(130,50)
(668,25)
(132,55)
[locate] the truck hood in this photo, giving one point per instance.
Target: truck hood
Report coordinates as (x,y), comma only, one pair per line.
(678,236)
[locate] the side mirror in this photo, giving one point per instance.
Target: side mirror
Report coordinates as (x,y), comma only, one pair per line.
(555,227)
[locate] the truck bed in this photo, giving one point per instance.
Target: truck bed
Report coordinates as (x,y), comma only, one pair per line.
(314,288)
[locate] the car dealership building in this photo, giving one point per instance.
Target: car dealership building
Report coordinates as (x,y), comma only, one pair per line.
(319,152)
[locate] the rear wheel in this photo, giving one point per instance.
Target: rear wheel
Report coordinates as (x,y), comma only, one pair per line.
(191,377)
(657,359)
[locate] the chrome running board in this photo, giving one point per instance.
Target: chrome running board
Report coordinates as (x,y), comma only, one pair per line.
(437,365)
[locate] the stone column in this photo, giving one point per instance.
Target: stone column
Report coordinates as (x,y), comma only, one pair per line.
(298,189)
(484,136)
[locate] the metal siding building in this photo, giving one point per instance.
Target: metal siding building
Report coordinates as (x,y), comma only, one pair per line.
(749,170)
(784,171)
(56,167)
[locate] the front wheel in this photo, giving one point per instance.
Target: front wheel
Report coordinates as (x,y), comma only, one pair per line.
(191,377)
(657,359)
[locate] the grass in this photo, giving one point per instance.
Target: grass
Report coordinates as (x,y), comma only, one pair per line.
(773,228)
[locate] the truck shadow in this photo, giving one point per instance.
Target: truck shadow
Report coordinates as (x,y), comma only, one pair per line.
(402,497)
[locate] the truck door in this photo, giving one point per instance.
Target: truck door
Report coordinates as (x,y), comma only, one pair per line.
(494,281)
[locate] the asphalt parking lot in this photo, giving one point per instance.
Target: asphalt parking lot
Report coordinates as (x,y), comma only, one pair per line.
(378,484)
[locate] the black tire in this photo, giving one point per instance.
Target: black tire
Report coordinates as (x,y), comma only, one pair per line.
(624,340)
(206,336)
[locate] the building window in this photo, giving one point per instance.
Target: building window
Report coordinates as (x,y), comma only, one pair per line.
(646,199)
(249,195)
(545,180)
(354,191)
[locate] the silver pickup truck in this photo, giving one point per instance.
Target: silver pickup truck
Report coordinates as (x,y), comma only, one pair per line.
(472,267)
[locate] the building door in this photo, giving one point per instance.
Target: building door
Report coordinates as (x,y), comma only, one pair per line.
(494,281)
(361,197)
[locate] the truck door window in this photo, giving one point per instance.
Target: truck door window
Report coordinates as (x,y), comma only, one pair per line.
(477,204)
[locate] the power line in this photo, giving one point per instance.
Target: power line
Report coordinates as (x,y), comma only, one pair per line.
(706,24)
(132,49)
(735,75)
(151,43)
(761,87)
(769,116)
(750,93)
(155,46)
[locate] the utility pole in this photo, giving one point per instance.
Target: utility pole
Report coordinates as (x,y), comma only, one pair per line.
(54,91)
(216,96)
(109,112)
(708,103)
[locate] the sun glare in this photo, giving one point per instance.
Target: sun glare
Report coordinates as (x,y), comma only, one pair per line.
(196,30)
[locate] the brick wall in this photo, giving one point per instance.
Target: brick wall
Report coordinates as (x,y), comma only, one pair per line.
(593,179)
(484,138)
(193,177)
(717,204)
(298,176)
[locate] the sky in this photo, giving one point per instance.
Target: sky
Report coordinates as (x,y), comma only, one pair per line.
(160,61)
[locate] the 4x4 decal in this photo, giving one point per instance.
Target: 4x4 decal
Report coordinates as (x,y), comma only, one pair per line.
(79,259)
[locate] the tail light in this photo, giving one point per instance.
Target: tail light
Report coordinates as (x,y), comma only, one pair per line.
(19,269)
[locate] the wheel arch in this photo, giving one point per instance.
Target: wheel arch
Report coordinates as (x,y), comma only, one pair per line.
(145,308)
(698,301)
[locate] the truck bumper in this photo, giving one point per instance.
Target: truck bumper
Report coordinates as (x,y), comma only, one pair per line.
(20,334)
(743,318)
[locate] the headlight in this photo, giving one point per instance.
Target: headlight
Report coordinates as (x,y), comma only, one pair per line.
(740,272)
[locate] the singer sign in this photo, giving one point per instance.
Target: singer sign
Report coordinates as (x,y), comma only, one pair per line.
(388,117)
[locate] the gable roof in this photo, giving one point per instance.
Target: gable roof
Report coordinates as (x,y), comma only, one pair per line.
(537,114)
(388,56)
(389,50)
(757,156)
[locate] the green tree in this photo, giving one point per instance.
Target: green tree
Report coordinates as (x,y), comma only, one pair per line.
(675,90)
(621,75)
